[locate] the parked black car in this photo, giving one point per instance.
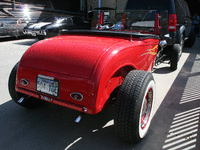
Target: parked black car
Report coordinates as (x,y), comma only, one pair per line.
(33,29)
(175,20)
(45,29)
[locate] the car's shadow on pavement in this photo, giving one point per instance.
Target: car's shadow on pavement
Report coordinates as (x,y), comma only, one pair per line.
(52,127)
(162,70)
(12,38)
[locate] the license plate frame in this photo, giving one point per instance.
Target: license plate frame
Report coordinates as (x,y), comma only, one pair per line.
(47,85)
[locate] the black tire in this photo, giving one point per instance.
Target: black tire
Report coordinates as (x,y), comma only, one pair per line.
(175,56)
(190,42)
(132,97)
(29,102)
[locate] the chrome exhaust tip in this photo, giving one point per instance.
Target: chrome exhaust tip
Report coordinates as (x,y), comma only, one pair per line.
(78,119)
(21,100)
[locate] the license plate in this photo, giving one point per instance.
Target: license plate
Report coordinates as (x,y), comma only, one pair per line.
(47,85)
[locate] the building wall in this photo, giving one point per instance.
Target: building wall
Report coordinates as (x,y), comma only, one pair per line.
(120,5)
(110,3)
(107,3)
(194,5)
(92,4)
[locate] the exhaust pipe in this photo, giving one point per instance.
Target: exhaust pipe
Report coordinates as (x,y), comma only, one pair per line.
(22,99)
(78,119)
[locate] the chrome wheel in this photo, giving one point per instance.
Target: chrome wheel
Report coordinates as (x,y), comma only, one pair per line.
(146,108)
(146,112)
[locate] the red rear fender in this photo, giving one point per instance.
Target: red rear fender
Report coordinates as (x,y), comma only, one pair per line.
(115,64)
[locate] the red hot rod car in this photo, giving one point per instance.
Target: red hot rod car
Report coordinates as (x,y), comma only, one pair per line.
(86,70)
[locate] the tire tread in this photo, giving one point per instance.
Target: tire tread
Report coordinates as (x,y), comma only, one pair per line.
(128,100)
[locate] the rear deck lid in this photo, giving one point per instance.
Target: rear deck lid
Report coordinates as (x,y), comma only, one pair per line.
(74,55)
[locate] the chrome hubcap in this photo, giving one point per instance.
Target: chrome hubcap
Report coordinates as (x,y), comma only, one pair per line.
(146,108)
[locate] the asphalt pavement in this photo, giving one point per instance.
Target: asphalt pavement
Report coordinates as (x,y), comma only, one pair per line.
(175,124)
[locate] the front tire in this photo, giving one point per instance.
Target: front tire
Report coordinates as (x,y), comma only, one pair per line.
(28,102)
(134,106)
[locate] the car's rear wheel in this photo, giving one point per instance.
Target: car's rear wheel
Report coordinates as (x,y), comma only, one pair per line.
(134,106)
(28,102)
(190,42)
(175,56)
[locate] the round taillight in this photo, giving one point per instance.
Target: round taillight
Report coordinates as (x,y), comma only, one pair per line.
(76,96)
(24,82)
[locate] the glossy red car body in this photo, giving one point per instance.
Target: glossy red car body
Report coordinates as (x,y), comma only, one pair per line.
(90,64)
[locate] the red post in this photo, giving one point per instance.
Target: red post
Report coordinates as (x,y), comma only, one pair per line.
(157,25)
(100,20)
(123,21)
